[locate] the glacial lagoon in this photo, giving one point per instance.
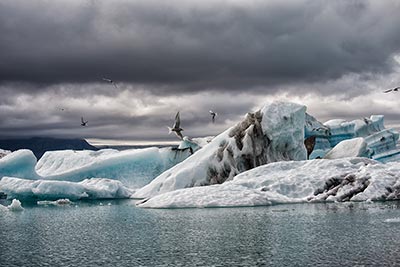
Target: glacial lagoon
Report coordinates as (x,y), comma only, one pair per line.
(117,233)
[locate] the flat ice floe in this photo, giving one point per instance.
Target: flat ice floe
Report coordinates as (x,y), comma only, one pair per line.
(350,179)
(134,167)
(95,188)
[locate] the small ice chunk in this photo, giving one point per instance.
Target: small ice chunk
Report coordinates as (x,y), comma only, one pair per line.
(58,202)
(393,220)
(15,205)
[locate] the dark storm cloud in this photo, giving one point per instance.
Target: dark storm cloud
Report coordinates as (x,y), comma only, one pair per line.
(182,46)
(228,56)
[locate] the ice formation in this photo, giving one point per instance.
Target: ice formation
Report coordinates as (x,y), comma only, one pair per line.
(194,143)
(134,168)
(381,143)
(274,133)
(95,188)
(278,132)
(58,202)
(20,163)
(3,153)
(355,147)
(15,205)
(319,180)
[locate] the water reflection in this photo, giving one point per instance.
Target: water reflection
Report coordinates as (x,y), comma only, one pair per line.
(90,234)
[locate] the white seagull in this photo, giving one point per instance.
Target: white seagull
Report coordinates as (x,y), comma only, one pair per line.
(176,127)
(110,81)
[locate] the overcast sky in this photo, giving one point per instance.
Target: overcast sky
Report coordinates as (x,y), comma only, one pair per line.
(335,56)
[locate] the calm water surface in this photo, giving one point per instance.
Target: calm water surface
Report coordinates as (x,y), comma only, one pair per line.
(122,235)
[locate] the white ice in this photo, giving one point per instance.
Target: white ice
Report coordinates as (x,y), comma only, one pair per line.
(355,147)
(354,179)
(15,205)
(134,168)
(4,152)
(58,202)
(95,188)
(20,163)
(381,142)
(275,133)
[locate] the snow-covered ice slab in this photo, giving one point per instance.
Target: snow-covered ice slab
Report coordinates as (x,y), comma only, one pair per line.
(350,179)
(355,147)
(95,188)
(274,133)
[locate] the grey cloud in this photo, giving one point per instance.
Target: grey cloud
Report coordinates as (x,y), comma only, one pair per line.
(229,56)
(177,46)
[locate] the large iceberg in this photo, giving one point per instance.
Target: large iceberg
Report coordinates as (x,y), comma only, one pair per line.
(275,133)
(135,167)
(350,179)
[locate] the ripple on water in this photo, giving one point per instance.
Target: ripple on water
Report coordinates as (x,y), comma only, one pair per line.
(123,235)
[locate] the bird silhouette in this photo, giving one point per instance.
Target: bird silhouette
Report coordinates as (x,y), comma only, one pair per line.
(111,82)
(83,122)
(396,89)
(176,127)
(213,115)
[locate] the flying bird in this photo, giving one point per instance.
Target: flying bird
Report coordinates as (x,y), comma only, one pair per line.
(396,89)
(83,122)
(110,81)
(213,115)
(176,127)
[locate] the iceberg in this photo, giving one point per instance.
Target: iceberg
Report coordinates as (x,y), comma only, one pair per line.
(319,180)
(20,163)
(95,188)
(381,142)
(134,168)
(4,152)
(274,133)
(14,206)
(279,132)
